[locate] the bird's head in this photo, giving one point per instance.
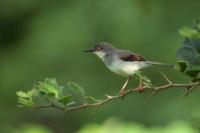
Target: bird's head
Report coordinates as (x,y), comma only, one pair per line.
(101,47)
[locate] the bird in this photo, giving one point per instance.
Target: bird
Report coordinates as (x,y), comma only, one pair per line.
(123,62)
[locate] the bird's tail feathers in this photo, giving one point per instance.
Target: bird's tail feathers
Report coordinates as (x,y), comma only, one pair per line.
(172,66)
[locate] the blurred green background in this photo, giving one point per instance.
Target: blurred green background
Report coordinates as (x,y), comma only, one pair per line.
(46,38)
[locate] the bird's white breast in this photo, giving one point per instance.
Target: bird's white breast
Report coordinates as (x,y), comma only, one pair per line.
(126,68)
(123,68)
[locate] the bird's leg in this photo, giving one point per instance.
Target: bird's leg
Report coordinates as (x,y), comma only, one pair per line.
(141,87)
(121,92)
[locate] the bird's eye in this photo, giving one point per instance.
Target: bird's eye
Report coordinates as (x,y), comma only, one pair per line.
(98,48)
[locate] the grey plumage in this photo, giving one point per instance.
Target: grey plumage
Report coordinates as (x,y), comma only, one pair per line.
(122,62)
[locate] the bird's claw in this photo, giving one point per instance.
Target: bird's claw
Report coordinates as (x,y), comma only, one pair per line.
(141,88)
(122,93)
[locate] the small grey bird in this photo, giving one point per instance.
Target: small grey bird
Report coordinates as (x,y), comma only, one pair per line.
(122,62)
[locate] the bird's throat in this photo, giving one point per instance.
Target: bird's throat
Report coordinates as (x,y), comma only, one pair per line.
(100,54)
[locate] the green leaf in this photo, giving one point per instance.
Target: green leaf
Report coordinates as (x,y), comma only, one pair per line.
(145,80)
(92,99)
(190,50)
(76,88)
(196,79)
(192,73)
(26,98)
(22,94)
(189,32)
(182,66)
(193,43)
(189,54)
(50,87)
(197,24)
(71,103)
(65,100)
(144,77)
(25,102)
(32,92)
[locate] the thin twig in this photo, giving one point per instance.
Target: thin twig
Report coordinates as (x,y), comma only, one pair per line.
(191,88)
(167,79)
(150,96)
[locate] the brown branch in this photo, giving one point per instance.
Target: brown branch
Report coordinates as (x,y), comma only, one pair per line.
(109,98)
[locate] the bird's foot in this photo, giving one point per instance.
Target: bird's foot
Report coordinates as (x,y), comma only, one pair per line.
(141,89)
(141,86)
(122,93)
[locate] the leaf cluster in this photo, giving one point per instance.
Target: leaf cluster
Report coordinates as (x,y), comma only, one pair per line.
(190,48)
(189,51)
(50,93)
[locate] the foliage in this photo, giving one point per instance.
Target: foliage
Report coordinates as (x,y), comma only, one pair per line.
(190,51)
(50,93)
(145,80)
(117,126)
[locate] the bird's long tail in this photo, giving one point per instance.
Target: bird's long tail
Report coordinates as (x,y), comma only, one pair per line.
(172,66)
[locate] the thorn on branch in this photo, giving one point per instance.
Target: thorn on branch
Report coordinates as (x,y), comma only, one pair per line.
(166,78)
(190,89)
(108,96)
(150,96)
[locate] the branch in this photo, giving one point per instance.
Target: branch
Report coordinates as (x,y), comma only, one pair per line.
(109,98)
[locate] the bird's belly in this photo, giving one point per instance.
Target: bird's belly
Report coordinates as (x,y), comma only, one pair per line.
(126,68)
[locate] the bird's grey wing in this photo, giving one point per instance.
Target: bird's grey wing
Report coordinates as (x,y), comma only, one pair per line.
(129,56)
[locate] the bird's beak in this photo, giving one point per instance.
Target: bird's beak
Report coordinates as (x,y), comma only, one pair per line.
(90,50)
